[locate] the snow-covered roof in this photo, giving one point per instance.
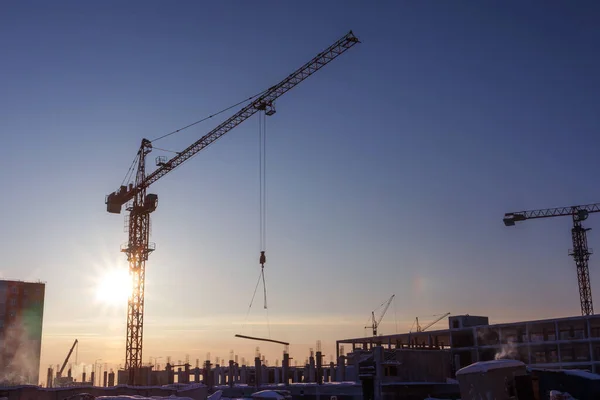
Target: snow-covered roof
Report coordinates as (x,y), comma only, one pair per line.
(485,366)
(124,397)
(270,394)
(582,374)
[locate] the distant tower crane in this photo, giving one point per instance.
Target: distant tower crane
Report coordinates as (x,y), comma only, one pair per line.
(140,204)
(375,323)
(429,325)
(579,252)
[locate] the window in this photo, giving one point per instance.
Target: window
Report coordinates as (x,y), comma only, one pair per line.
(14,290)
(13,302)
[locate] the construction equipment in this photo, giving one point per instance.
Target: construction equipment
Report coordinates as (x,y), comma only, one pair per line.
(140,204)
(429,325)
(62,368)
(262,339)
(375,323)
(60,380)
(580,251)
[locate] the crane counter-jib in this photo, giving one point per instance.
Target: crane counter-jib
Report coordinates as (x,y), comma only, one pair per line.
(265,102)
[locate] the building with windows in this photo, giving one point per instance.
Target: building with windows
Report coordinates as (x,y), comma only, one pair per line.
(560,343)
(21,316)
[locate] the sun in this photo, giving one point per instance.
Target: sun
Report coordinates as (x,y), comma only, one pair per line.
(113,287)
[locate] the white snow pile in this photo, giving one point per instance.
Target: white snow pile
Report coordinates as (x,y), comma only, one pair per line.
(137,397)
(216,395)
(556,395)
(581,373)
(485,366)
(433,398)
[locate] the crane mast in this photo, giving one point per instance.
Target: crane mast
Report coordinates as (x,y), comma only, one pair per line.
(580,251)
(140,204)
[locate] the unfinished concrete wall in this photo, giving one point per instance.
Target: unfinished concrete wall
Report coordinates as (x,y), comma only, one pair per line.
(417,365)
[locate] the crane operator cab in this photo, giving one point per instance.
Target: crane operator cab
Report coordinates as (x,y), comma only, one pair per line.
(150,202)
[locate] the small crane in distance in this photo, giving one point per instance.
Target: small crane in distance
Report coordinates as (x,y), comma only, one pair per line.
(580,251)
(375,322)
(429,325)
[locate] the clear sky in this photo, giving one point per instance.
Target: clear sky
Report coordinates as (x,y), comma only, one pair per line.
(388,171)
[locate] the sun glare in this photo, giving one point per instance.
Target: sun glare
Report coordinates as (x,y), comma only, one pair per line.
(113,287)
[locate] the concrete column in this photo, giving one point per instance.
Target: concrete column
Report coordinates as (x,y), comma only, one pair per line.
(170,374)
(276,375)
(196,375)
(244,375)
(324,377)
(285,366)
(264,373)
(105,379)
(311,370)
(111,379)
(557,337)
(331,372)
(258,378)
(341,372)
(218,375)
(296,372)
(378,356)
(83,377)
(230,374)
(93,378)
(49,376)
(319,372)
(186,373)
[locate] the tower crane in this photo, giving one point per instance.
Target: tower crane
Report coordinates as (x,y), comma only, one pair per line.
(429,325)
(580,251)
(141,204)
(375,323)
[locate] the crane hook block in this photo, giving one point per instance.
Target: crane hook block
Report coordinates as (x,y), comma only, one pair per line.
(263,258)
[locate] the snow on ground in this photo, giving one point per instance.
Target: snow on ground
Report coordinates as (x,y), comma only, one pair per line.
(216,395)
(485,366)
(581,374)
(556,395)
(136,397)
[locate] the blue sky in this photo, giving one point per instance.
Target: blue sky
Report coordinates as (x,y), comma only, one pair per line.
(389,171)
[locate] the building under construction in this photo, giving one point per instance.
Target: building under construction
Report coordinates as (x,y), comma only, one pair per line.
(561,343)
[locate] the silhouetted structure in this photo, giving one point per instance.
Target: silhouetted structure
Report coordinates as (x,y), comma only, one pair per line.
(21,315)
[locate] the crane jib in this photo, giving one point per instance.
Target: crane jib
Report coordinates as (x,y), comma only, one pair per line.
(115,200)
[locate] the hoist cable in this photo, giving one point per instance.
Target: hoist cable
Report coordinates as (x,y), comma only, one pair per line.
(210,116)
(169,151)
(130,170)
(252,300)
